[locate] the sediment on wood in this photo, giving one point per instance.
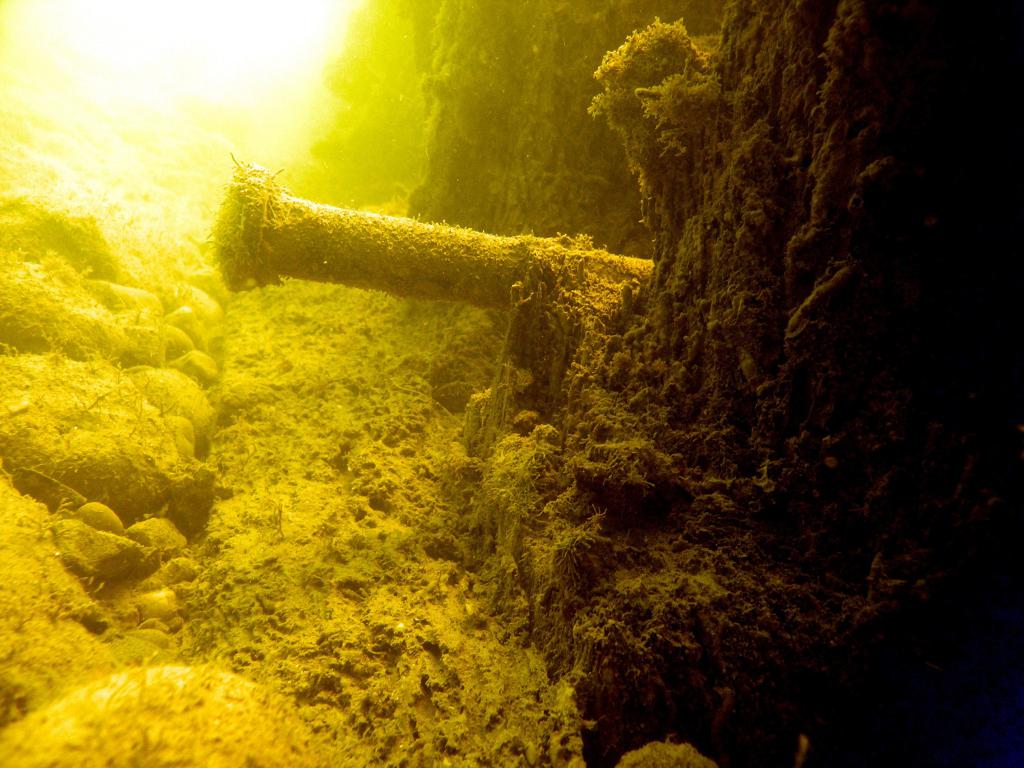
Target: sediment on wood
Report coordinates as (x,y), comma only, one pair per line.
(263,233)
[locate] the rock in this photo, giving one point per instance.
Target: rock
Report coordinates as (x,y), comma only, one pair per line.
(93,617)
(184,435)
(151,635)
(34,227)
(47,309)
(160,534)
(175,394)
(48,622)
(205,307)
(145,344)
(178,571)
(199,365)
(121,298)
(185,319)
(100,516)
(154,625)
(99,431)
(209,280)
(160,604)
(176,342)
(190,502)
(116,470)
(90,553)
(163,716)
(143,646)
(53,493)
(659,754)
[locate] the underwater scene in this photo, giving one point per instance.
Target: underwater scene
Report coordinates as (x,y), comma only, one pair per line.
(421,383)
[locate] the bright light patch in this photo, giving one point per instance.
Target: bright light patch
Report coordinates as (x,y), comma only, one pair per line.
(228,53)
(135,106)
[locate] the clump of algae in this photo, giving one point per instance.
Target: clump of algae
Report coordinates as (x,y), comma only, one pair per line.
(660,95)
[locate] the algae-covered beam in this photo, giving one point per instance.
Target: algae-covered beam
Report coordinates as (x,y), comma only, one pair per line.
(263,233)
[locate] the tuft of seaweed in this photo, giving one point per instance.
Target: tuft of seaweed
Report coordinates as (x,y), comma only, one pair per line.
(573,557)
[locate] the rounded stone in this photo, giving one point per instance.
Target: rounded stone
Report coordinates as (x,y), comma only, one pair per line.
(659,753)
(124,298)
(158,533)
(101,517)
(184,435)
(180,570)
(209,281)
(140,647)
(175,394)
(151,634)
(94,554)
(205,307)
(176,342)
(163,716)
(199,365)
(160,604)
(185,319)
(155,625)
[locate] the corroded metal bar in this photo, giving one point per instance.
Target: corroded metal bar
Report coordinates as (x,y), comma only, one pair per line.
(263,233)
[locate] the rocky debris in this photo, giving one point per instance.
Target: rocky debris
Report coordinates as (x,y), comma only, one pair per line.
(160,604)
(189,500)
(209,281)
(143,647)
(159,534)
(176,571)
(199,365)
(184,436)
(100,516)
(92,427)
(154,624)
(203,306)
(659,754)
(176,342)
(53,493)
(175,394)
(125,298)
(46,307)
(187,321)
(33,227)
(48,624)
(93,554)
(219,719)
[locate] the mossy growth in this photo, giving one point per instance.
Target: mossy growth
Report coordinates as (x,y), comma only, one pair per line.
(520,476)
(660,95)
(660,754)
(29,226)
(219,719)
(92,427)
(239,227)
(576,551)
(48,623)
(47,306)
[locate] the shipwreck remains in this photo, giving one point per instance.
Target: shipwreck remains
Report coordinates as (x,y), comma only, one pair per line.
(263,234)
(556,289)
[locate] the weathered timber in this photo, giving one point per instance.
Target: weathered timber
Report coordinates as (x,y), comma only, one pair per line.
(263,234)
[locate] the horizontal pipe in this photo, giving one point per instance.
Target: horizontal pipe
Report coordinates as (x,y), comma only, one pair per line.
(263,233)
